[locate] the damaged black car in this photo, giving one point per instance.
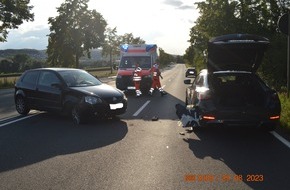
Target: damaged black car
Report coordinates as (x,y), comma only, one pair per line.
(229,92)
(71,91)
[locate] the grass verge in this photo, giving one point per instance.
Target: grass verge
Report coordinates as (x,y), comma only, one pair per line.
(285,113)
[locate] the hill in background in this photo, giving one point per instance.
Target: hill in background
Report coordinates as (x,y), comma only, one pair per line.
(96,54)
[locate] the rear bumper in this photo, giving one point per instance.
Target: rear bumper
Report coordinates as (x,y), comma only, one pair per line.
(265,123)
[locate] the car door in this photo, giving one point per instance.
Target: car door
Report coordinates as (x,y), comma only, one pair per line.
(27,85)
(49,91)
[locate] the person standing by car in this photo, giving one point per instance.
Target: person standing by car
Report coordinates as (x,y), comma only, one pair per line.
(156,80)
(137,77)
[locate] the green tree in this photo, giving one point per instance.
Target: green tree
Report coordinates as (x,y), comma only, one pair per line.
(22,60)
(12,14)
(165,58)
(219,17)
(74,32)
(129,38)
(7,66)
(111,45)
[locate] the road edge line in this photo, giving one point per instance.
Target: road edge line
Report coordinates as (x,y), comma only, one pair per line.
(280,138)
(20,119)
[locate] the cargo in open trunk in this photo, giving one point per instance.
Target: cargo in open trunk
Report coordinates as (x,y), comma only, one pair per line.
(237,89)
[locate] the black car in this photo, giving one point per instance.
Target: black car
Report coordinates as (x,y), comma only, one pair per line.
(229,92)
(190,72)
(66,90)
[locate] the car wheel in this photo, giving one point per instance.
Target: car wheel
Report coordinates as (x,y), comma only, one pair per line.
(21,105)
(76,116)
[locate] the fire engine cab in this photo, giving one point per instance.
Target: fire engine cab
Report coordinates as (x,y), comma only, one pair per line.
(133,56)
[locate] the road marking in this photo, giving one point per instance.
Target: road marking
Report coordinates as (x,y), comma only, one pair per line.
(284,141)
(141,108)
(14,121)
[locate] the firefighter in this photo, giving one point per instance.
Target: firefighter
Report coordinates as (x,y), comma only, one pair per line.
(137,77)
(156,75)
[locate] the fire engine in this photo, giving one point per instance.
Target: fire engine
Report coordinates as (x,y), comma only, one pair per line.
(133,56)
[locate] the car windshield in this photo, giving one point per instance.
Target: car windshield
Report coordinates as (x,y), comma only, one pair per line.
(134,61)
(75,78)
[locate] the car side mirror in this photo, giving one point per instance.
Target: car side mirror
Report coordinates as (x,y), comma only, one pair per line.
(187,81)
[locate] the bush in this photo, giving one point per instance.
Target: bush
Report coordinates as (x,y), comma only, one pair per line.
(285,112)
(5,83)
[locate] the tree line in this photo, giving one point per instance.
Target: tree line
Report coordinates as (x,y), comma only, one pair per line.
(260,17)
(19,63)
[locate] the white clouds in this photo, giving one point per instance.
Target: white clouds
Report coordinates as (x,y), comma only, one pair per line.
(164,22)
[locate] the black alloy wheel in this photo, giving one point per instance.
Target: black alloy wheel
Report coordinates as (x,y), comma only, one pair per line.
(21,105)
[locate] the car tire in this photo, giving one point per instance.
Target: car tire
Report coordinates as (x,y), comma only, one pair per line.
(77,120)
(21,105)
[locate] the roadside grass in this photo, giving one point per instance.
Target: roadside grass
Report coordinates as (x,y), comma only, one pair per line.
(285,113)
(7,82)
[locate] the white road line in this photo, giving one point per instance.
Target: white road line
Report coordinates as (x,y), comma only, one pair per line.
(284,141)
(141,108)
(14,121)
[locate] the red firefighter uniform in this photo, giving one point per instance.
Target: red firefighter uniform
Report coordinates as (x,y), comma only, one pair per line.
(156,80)
(137,77)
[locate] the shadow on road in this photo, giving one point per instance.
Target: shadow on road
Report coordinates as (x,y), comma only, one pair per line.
(246,152)
(46,136)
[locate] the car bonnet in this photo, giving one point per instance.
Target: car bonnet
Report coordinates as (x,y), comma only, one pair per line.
(239,52)
(103,91)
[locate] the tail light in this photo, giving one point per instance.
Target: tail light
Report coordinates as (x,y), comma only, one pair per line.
(208,117)
(275,117)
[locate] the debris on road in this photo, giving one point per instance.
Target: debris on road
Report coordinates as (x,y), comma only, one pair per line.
(154,118)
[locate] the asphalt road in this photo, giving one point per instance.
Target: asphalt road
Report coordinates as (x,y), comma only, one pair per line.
(45,151)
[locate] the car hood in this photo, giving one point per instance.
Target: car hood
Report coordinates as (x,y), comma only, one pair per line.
(103,91)
(240,52)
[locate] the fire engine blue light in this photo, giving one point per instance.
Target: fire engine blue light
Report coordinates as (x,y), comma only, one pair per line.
(124,47)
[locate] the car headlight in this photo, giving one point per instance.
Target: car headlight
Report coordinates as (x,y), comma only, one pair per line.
(92,100)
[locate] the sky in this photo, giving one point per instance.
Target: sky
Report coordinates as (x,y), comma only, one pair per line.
(166,23)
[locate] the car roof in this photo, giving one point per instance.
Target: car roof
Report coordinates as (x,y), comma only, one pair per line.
(53,69)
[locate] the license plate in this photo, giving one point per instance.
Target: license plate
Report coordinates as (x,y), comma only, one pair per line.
(131,88)
(116,106)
